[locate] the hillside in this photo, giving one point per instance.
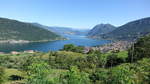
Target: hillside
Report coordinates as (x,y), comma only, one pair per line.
(16,31)
(62,30)
(100,29)
(131,30)
(72,66)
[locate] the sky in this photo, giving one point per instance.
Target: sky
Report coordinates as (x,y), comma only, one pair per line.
(81,14)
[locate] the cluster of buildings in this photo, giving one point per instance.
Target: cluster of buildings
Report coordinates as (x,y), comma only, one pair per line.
(112,47)
(116,46)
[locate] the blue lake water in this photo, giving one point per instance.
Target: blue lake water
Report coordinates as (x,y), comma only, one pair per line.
(53,45)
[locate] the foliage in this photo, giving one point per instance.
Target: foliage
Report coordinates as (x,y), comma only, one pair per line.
(38,74)
(74,76)
(100,76)
(1,75)
(140,49)
(122,75)
(112,60)
(73,48)
(71,67)
(143,71)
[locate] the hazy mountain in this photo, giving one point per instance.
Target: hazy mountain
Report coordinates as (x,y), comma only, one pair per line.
(16,30)
(63,30)
(131,30)
(100,29)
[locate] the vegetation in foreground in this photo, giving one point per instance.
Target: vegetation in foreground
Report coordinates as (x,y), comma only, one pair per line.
(71,66)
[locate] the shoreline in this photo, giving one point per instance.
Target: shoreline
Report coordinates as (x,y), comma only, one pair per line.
(111,39)
(27,41)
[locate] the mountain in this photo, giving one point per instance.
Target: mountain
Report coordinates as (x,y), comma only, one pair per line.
(62,30)
(100,29)
(131,30)
(16,31)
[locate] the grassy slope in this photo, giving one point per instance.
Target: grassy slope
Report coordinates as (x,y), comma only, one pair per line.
(57,72)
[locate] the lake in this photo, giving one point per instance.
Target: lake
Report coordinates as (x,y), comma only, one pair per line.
(53,45)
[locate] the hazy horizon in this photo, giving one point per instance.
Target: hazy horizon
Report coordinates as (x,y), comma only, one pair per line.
(79,14)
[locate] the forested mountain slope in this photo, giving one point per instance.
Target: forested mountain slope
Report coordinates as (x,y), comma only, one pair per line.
(16,30)
(131,30)
(100,29)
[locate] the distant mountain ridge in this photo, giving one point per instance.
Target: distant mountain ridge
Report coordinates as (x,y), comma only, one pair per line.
(16,31)
(62,30)
(130,31)
(100,29)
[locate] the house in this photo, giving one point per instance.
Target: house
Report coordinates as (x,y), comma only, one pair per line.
(86,50)
(29,51)
(2,53)
(15,52)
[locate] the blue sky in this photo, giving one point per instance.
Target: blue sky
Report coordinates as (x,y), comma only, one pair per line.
(75,13)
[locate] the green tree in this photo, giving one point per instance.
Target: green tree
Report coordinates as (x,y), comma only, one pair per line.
(1,75)
(26,61)
(142,69)
(140,49)
(74,76)
(100,76)
(122,74)
(94,57)
(68,47)
(112,60)
(102,60)
(38,73)
(73,48)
